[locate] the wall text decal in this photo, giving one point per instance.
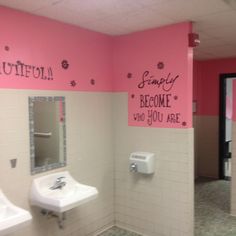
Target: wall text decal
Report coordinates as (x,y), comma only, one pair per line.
(166,83)
(21,69)
(155,101)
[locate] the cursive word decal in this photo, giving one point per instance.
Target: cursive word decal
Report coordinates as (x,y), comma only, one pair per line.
(27,71)
(157,99)
(166,83)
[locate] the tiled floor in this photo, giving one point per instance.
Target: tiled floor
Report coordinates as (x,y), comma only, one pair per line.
(115,231)
(212,209)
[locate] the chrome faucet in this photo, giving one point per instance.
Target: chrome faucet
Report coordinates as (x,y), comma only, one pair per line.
(59,184)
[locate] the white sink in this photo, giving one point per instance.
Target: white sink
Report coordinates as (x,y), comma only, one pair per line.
(70,195)
(11,217)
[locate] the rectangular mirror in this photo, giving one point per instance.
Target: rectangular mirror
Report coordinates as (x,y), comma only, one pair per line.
(47,133)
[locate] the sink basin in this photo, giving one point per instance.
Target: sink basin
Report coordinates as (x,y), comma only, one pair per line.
(61,199)
(11,217)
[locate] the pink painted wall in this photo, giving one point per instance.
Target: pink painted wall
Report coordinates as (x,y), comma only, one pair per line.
(39,53)
(206,84)
(39,42)
(161,57)
(234,100)
(197,80)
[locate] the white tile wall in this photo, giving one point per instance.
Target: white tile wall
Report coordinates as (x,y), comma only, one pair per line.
(160,204)
(89,153)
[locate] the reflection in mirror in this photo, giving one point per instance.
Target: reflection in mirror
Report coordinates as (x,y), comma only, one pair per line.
(47,133)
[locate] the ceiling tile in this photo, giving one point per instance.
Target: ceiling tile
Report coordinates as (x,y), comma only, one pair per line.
(202,35)
(140,20)
(222,33)
(214,20)
(183,10)
(149,3)
(101,9)
(221,19)
(104,26)
(212,42)
(67,16)
(28,5)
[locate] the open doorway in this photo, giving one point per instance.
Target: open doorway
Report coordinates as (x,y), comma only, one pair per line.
(214,195)
(225,125)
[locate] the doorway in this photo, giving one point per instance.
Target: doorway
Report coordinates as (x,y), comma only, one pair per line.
(213,196)
(225,125)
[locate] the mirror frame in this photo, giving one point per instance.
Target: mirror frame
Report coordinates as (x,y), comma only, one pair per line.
(40,169)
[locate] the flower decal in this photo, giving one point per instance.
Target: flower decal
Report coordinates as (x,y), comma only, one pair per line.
(65,64)
(92,81)
(6,48)
(129,75)
(73,83)
(160,65)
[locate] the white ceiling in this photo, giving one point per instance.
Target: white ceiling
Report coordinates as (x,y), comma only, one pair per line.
(214,20)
